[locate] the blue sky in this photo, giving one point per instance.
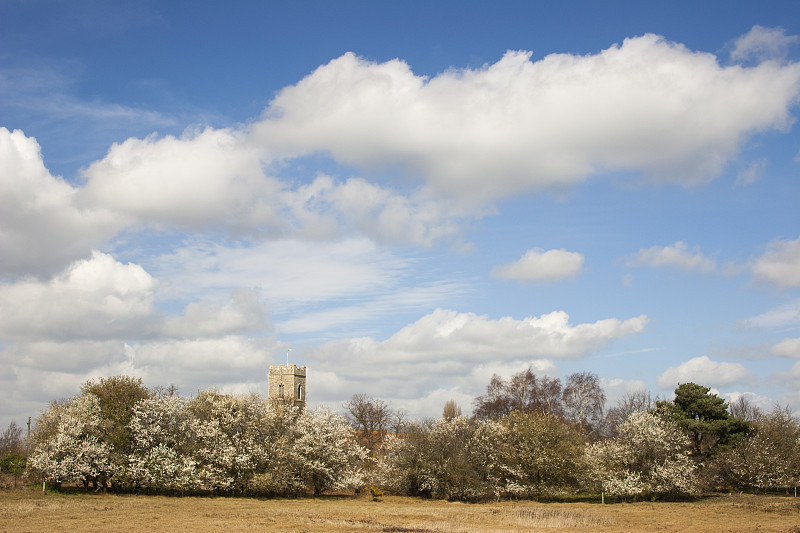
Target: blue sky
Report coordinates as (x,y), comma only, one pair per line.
(410,196)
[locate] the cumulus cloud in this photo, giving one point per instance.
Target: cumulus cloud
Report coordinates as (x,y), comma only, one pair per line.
(677,255)
(762,402)
(381,214)
(539,265)
(518,124)
(96,298)
(205,177)
(49,370)
(470,137)
(243,313)
(445,348)
(42,227)
(100,298)
(216,178)
(703,370)
(779,265)
(762,43)
(787,348)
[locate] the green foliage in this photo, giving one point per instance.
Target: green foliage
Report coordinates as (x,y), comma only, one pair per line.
(545,453)
(12,464)
(117,396)
(704,417)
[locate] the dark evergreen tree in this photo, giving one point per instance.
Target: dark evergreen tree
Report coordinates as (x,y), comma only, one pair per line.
(705,418)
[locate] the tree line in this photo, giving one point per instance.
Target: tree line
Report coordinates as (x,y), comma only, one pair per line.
(119,435)
(529,437)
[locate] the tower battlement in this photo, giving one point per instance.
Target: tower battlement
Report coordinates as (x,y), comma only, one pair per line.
(287,384)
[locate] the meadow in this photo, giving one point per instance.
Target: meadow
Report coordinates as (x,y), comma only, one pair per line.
(30,510)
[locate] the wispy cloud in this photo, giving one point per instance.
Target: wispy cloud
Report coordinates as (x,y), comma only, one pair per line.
(676,255)
(762,43)
(779,265)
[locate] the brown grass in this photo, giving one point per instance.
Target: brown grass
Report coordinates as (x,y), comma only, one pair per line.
(29,510)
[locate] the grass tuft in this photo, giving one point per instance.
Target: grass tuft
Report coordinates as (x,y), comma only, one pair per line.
(541,516)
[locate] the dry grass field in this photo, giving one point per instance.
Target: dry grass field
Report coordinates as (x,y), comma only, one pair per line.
(29,510)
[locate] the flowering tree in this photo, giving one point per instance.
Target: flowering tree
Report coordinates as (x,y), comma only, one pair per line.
(240,444)
(161,449)
(325,453)
(68,444)
(770,457)
(545,453)
(649,457)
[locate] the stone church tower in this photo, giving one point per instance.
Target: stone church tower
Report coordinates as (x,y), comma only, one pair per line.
(287,384)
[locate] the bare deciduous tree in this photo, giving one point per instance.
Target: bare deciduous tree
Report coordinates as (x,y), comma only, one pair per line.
(632,402)
(399,421)
(584,398)
(451,410)
(744,409)
(524,391)
(11,440)
(495,403)
(370,417)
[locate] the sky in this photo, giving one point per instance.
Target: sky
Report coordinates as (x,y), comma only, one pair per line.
(406,197)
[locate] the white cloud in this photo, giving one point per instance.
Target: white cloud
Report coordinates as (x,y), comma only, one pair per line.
(243,313)
(762,402)
(343,288)
(538,265)
(787,314)
(791,381)
(100,298)
(45,370)
(211,178)
(285,271)
(703,370)
(751,174)
(780,265)
(327,209)
(647,106)
(420,391)
(446,349)
(46,90)
(762,43)
(676,255)
(616,389)
(96,298)
(208,362)
(787,348)
(42,228)
(466,336)
(194,182)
